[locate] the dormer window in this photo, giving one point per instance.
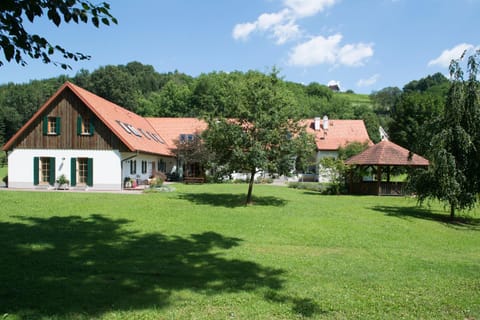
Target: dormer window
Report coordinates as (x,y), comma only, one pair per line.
(186,137)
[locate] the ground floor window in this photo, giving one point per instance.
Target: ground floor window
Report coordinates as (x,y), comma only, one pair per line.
(133,166)
(81,171)
(162,165)
(192,169)
(144,166)
(43,170)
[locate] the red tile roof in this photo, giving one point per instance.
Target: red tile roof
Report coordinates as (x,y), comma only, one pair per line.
(339,133)
(158,135)
(133,130)
(171,128)
(387,153)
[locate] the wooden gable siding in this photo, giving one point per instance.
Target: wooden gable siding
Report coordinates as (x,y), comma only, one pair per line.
(67,106)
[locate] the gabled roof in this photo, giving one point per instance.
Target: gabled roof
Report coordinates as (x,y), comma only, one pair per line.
(339,133)
(158,135)
(171,128)
(133,130)
(389,154)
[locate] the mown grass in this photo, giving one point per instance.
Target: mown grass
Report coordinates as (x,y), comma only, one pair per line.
(3,172)
(357,99)
(198,253)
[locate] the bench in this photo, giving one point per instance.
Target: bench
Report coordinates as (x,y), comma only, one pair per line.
(188,180)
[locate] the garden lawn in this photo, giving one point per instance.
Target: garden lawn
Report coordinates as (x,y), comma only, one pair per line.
(3,172)
(198,253)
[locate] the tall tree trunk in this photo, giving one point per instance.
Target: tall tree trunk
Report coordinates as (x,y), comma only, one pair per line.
(250,187)
(452,212)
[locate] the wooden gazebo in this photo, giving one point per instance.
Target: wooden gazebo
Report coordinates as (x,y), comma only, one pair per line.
(383,156)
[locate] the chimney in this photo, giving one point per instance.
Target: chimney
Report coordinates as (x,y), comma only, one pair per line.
(325,123)
(316,122)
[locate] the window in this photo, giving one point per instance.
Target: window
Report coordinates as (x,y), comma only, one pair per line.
(43,170)
(133,166)
(187,137)
(81,171)
(162,165)
(84,126)
(82,174)
(51,126)
(124,126)
(144,166)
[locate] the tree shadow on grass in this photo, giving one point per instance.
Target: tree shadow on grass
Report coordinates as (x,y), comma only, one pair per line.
(67,266)
(460,222)
(303,307)
(231,200)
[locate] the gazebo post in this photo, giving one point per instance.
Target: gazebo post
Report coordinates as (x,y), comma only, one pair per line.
(379,179)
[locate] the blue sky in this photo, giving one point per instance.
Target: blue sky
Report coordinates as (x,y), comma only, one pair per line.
(364,45)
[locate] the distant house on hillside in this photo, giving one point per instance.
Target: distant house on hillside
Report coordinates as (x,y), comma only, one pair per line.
(334,86)
(99,145)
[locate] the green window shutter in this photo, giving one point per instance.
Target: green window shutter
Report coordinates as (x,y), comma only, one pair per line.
(45,125)
(92,126)
(52,171)
(90,172)
(57,126)
(79,125)
(73,172)
(36,164)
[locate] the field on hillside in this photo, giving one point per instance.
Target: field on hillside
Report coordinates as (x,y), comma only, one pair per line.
(198,253)
(357,99)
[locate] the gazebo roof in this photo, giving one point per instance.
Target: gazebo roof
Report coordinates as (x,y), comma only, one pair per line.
(387,153)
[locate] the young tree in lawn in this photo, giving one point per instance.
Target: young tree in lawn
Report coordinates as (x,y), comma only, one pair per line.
(264,134)
(191,150)
(16,42)
(453,176)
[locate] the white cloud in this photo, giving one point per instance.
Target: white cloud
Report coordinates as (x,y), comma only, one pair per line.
(355,54)
(307,8)
(285,32)
(369,81)
(282,25)
(450,54)
(320,50)
(269,20)
(243,30)
(317,50)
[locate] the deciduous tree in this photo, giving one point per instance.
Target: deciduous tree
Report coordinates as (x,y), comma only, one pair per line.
(264,134)
(16,41)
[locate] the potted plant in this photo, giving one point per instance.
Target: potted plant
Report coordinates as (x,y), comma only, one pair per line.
(127,182)
(63,182)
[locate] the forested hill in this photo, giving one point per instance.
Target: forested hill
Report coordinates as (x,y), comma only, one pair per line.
(141,89)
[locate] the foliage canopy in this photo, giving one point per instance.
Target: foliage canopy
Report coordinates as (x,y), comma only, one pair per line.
(453,176)
(264,134)
(16,41)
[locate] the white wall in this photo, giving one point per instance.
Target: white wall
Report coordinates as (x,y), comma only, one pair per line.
(106,166)
(128,157)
